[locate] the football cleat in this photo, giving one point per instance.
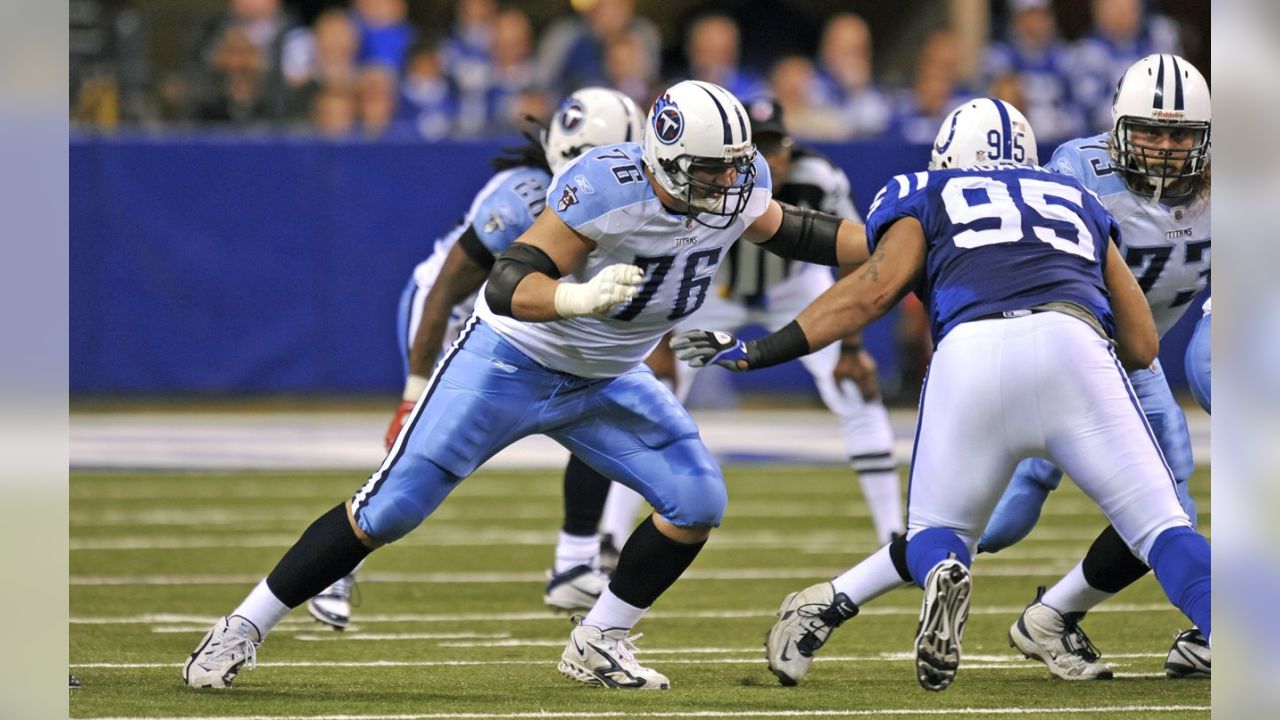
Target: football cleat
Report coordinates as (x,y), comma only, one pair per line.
(805,621)
(230,645)
(943,615)
(608,558)
(607,657)
(73,682)
(332,606)
(1044,634)
(577,588)
(1189,657)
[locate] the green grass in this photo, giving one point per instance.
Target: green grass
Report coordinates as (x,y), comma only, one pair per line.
(201,540)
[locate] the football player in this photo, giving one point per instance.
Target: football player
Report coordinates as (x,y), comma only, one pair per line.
(441,294)
(756,287)
(1026,293)
(630,244)
(1152,172)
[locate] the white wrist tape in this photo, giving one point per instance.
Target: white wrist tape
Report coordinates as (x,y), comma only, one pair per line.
(413,387)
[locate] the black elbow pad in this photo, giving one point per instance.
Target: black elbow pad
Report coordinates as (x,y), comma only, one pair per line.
(509,269)
(805,234)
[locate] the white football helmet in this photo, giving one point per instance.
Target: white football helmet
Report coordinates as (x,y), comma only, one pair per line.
(589,117)
(1164,99)
(984,131)
(698,129)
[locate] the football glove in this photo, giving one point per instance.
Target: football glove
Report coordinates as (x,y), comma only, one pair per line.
(612,285)
(397,422)
(700,348)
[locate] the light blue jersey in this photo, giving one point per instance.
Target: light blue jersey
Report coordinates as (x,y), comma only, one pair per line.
(503,209)
(1167,248)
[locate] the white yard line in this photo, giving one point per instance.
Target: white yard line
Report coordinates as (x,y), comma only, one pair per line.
(879,712)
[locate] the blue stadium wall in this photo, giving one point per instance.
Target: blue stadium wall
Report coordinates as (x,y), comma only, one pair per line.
(212,265)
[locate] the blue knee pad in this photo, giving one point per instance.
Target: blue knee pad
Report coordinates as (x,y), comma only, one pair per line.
(1019,508)
(930,547)
(1182,562)
(387,511)
(699,500)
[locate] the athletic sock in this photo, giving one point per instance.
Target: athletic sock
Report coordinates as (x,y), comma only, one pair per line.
(575,550)
(649,563)
(620,511)
(869,579)
(1073,594)
(880,488)
(584,497)
(262,608)
(612,612)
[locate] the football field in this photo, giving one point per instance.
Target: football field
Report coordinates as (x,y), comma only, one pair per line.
(451,623)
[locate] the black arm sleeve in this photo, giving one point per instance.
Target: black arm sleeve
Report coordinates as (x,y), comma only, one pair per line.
(806,235)
(510,268)
(788,343)
(471,245)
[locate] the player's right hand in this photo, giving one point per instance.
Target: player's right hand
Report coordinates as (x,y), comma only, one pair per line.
(598,296)
(397,422)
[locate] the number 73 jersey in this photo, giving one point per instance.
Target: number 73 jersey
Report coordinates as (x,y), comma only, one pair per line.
(1166,247)
(604,195)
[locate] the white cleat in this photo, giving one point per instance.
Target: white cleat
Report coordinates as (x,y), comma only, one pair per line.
(943,615)
(577,588)
(607,657)
(1042,633)
(805,621)
(230,645)
(1189,657)
(332,606)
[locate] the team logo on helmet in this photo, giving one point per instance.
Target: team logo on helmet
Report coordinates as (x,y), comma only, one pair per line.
(572,115)
(951,135)
(668,121)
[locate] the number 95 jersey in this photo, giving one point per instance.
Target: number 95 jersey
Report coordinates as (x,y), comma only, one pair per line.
(1000,240)
(1166,247)
(604,195)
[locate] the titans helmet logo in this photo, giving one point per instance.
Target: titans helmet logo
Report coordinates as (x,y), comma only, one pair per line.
(668,121)
(572,116)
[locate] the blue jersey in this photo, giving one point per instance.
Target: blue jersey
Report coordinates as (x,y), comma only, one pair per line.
(999,240)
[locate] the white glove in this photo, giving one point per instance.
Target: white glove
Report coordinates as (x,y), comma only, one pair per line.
(598,296)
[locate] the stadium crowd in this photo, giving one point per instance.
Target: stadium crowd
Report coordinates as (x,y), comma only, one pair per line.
(368,69)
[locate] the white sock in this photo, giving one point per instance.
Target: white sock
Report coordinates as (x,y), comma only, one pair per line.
(1074,594)
(262,608)
(881,490)
(610,612)
(870,578)
(620,510)
(575,550)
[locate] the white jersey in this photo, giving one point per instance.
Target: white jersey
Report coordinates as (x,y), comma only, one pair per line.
(751,272)
(1166,247)
(605,195)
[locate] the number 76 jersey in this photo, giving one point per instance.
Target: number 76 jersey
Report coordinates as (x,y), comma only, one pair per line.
(604,195)
(1166,247)
(1000,240)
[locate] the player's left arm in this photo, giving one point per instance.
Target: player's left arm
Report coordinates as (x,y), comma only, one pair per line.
(809,235)
(847,307)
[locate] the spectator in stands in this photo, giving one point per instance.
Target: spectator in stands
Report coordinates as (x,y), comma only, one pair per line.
(321,56)
(571,54)
(935,92)
(428,97)
(261,23)
(1121,36)
(845,78)
(712,49)
(385,34)
(377,92)
(468,61)
(1040,63)
(794,82)
(632,68)
(236,92)
(514,92)
(333,111)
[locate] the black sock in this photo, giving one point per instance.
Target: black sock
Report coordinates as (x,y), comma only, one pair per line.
(650,562)
(585,491)
(328,550)
(1110,566)
(898,554)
